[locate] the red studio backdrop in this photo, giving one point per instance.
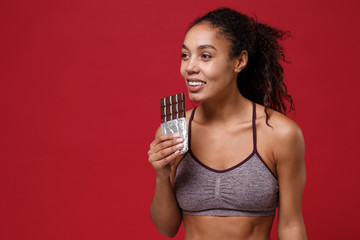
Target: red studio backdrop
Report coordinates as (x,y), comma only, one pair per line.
(80,83)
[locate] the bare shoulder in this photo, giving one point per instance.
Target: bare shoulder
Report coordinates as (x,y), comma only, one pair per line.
(284,134)
(284,127)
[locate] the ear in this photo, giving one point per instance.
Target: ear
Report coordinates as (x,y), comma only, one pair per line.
(241,61)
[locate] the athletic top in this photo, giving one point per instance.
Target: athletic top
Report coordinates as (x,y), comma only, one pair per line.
(246,189)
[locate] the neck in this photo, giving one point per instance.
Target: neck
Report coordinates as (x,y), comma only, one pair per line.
(232,108)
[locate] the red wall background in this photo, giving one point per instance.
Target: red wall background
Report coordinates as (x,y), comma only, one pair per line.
(80,83)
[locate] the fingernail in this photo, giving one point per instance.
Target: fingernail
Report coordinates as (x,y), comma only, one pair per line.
(179,140)
(179,146)
(177,152)
(176,135)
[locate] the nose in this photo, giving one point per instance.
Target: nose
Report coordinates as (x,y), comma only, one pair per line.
(192,66)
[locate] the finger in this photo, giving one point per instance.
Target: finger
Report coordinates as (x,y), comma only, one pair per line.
(167,152)
(163,137)
(168,136)
(169,159)
(158,156)
(152,144)
(168,143)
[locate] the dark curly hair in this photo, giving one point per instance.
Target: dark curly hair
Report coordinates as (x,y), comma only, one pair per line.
(261,80)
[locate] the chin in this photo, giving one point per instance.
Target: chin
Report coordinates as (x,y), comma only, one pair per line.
(195,98)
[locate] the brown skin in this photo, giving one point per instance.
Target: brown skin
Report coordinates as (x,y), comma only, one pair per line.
(222,129)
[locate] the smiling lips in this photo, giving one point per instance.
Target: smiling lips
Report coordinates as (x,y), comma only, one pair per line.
(195,85)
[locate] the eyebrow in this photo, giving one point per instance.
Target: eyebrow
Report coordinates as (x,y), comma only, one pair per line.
(204,46)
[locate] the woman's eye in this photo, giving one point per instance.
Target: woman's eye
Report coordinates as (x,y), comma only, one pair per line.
(206,56)
(184,56)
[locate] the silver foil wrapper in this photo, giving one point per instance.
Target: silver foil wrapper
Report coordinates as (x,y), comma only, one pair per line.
(177,126)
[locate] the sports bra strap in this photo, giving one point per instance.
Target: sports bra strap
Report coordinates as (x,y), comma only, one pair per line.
(254,126)
(190,120)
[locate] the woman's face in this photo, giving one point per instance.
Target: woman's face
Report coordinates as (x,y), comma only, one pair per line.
(208,71)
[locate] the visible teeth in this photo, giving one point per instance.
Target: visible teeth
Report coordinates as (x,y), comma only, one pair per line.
(196,83)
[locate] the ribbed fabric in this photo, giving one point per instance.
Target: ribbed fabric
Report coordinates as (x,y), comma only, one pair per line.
(247,189)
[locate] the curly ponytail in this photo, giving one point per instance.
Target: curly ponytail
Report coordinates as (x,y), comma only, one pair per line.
(262,79)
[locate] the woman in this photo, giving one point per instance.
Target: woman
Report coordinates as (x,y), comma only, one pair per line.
(245,157)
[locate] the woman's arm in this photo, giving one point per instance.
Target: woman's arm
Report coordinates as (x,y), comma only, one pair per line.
(164,210)
(290,166)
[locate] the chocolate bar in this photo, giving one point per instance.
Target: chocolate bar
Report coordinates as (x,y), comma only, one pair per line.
(173,119)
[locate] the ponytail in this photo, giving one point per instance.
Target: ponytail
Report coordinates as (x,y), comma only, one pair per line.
(262,80)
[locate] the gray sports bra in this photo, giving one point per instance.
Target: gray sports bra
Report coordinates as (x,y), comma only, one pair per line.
(246,189)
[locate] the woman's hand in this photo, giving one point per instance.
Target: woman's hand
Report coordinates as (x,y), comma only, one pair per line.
(163,151)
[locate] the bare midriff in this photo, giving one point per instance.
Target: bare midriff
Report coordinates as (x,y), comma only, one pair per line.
(229,228)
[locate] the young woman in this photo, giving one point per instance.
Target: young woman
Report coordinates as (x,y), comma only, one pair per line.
(245,158)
